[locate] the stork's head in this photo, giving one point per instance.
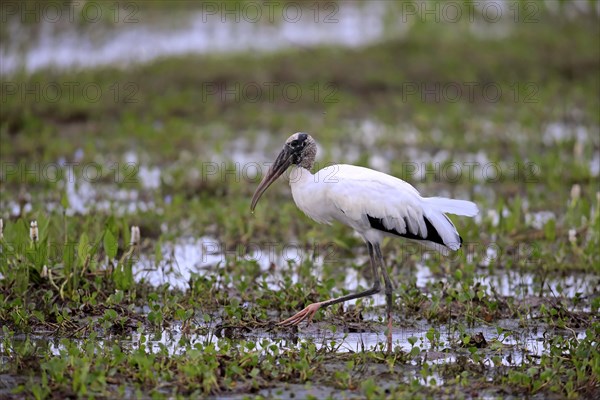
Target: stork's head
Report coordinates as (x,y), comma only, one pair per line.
(299,149)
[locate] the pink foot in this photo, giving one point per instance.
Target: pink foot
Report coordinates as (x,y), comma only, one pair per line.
(308,312)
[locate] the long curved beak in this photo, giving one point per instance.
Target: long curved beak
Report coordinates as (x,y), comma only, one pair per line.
(281,164)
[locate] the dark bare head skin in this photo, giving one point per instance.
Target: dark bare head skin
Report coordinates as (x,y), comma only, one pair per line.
(299,149)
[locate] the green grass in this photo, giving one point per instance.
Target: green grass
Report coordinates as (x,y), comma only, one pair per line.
(76,323)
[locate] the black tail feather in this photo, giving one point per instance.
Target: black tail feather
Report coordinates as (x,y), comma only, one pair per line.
(432,233)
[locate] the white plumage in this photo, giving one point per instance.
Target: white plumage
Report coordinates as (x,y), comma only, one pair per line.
(372,203)
(350,194)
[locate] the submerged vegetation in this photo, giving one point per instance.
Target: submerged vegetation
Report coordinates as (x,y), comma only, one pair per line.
(90,303)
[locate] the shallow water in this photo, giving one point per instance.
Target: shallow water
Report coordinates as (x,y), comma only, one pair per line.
(514,346)
(84,35)
(205,257)
(510,342)
(138,37)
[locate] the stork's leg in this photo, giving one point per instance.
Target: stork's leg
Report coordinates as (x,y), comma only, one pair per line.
(389,291)
(309,311)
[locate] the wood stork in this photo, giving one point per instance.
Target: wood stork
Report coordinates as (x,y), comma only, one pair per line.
(373,203)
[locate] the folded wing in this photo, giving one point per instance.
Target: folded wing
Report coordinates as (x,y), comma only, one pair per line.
(369,199)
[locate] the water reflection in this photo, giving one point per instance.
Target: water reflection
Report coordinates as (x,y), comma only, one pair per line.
(146,37)
(205,257)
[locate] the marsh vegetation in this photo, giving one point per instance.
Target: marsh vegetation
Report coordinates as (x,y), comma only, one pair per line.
(505,114)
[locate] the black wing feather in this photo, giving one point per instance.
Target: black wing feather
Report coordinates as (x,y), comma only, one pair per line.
(432,233)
